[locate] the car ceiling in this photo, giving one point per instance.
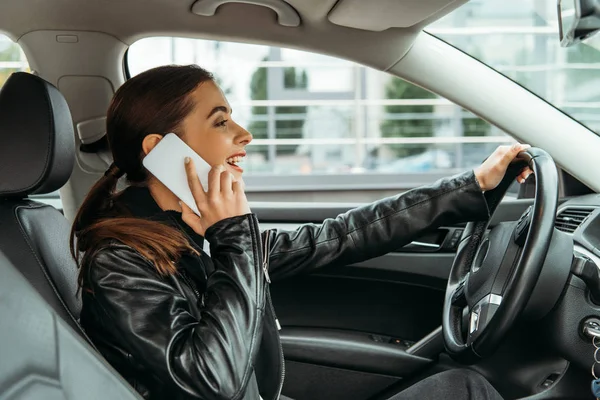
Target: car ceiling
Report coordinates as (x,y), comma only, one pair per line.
(130,20)
(360,32)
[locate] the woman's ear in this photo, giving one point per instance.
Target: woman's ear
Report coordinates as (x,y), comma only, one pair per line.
(150,141)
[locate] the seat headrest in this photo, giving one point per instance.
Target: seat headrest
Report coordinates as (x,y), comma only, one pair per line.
(37,144)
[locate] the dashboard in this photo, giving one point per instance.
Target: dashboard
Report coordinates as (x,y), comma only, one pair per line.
(564,325)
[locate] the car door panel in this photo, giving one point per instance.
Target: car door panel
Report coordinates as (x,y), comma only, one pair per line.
(355,323)
(396,309)
(350,350)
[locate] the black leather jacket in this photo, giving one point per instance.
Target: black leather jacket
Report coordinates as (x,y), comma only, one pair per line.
(210,331)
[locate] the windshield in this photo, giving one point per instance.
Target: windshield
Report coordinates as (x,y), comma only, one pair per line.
(519,38)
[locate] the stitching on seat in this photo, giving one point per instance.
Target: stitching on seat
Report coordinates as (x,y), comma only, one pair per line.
(41,265)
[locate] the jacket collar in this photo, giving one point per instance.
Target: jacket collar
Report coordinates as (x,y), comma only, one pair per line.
(141,204)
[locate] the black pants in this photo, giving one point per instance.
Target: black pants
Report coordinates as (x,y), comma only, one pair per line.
(452,385)
(455,384)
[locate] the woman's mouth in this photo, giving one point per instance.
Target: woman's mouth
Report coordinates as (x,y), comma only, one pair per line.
(234,161)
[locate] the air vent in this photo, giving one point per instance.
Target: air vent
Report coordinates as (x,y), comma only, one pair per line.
(569,219)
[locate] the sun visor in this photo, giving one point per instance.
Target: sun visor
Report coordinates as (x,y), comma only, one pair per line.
(379,15)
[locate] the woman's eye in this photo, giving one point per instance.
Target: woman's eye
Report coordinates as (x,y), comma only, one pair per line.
(221,123)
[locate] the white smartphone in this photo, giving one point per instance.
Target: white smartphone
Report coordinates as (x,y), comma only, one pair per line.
(166,161)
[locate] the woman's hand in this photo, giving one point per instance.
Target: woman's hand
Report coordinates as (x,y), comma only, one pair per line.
(490,173)
(225,198)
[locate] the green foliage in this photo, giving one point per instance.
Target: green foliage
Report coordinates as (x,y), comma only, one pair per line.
(418,127)
(415,127)
(475,126)
(287,129)
(10,53)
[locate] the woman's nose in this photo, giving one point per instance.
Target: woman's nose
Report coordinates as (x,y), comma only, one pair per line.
(245,137)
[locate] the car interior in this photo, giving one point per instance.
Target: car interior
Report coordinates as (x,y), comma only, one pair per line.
(361,331)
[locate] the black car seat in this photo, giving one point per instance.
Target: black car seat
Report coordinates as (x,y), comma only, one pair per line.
(42,358)
(37,152)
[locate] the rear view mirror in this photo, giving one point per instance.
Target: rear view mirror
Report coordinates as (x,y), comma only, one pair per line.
(577,20)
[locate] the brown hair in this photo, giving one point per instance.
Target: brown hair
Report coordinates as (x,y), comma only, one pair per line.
(155,101)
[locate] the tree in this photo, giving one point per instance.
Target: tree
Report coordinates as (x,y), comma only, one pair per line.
(475,126)
(287,128)
(415,126)
(9,53)
(418,125)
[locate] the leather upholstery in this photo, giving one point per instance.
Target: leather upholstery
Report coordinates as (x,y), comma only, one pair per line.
(34,237)
(42,358)
(48,232)
(37,144)
(37,153)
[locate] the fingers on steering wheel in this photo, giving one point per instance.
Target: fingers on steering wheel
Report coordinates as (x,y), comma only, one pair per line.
(524,175)
(512,152)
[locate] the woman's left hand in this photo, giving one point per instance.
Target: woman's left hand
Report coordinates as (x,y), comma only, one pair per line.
(490,173)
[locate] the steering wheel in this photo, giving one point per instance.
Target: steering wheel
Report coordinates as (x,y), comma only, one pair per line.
(494,273)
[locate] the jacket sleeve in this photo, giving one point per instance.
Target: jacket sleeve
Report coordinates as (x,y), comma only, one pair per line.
(210,355)
(376,229)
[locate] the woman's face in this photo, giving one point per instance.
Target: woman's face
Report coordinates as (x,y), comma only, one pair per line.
(210,131)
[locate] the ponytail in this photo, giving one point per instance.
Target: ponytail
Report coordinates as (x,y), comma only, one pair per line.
(99,221)
(98,200)
(157,100)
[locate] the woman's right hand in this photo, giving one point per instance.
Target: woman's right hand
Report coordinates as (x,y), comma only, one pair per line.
(225,198)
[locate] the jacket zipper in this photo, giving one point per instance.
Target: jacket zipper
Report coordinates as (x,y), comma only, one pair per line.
(265,264)
(281,359)
(266,251)
(193,286)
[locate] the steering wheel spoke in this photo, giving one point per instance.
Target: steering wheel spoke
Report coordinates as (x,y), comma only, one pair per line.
(459,298)
(481,314)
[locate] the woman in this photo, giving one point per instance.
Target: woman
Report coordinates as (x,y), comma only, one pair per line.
(178,323)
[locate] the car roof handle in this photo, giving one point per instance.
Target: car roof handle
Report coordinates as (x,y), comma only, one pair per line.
(286,14)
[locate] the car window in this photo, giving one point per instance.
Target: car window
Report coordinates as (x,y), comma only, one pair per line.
(520,39)
(12,59)
(321,123)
